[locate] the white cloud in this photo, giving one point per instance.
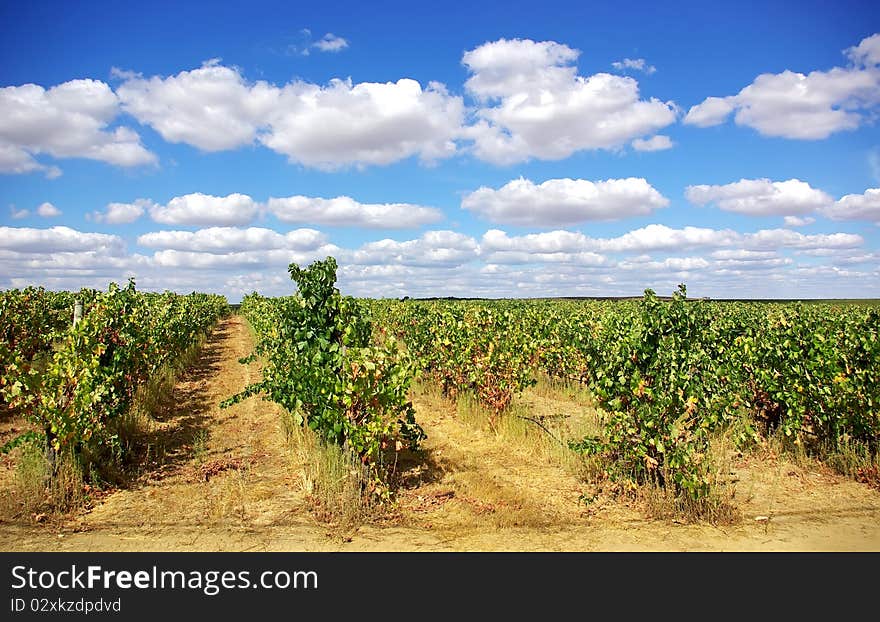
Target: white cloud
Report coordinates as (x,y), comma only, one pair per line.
(204,209)
(70,120)
(864,206)
(798,221)
(670,264)
(761,197)
(560,202)
(57,239)
(661,238)
(549,242)
(276,259)
(220,240)
(650,238)
(866,53)
(799,106)
(330,43)
(784,238)
(211,107)
(47,210)
(496,247)
(534,105)
(15,160)
(655,143)
(717,263)
(657,237)
(344,211)
(431,249)
(368,123)
(122,213)
(712,111)
(327,127)
(856,258)
(18,214)
(639,64)
(743,255)
(225,250)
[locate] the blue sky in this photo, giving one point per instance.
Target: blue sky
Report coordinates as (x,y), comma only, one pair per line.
(510,149)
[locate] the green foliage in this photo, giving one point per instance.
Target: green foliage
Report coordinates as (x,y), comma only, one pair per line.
(814,372)
(466,347)
(667,373)
(321,366)
(656,379)
(31,320)
(90,372)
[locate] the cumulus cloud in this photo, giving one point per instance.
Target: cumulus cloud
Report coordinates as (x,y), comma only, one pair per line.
(670,264)
(344,211)
(496,247)
(498,244)
(277,259)
(655,143)
(15,160)
(431,249)
(743,255)
(330,43)
(368,123)
(56,240)
(761,197)
(18,214)
(638,64)
(712,111)
(230,239)
(340,124)
(798,221)
(212,107)
(205,209)
(122,213)
(47,210)
(799,106)
(225,250)
(560,202)
(534,105)
(658,237)
(864,206)
(866,53)
(785,238)
(70,120)
(235,261)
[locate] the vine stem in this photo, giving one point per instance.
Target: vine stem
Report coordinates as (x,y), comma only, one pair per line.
(543,427)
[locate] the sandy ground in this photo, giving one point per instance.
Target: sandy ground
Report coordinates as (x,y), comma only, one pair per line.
(228,480)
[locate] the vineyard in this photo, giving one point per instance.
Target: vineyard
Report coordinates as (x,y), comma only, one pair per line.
(666,374)
(662,379)
(74,380)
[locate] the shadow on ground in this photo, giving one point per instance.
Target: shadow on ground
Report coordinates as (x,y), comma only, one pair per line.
(180,417)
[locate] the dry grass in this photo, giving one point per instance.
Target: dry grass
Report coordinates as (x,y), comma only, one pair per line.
(542,420)
(857,460)
(719,507)
(41,489)
(230,499)
(498,470)
(138,422)
(546,417)
(339,487)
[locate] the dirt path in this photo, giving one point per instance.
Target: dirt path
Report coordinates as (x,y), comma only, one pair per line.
(222,480)
(228,480)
